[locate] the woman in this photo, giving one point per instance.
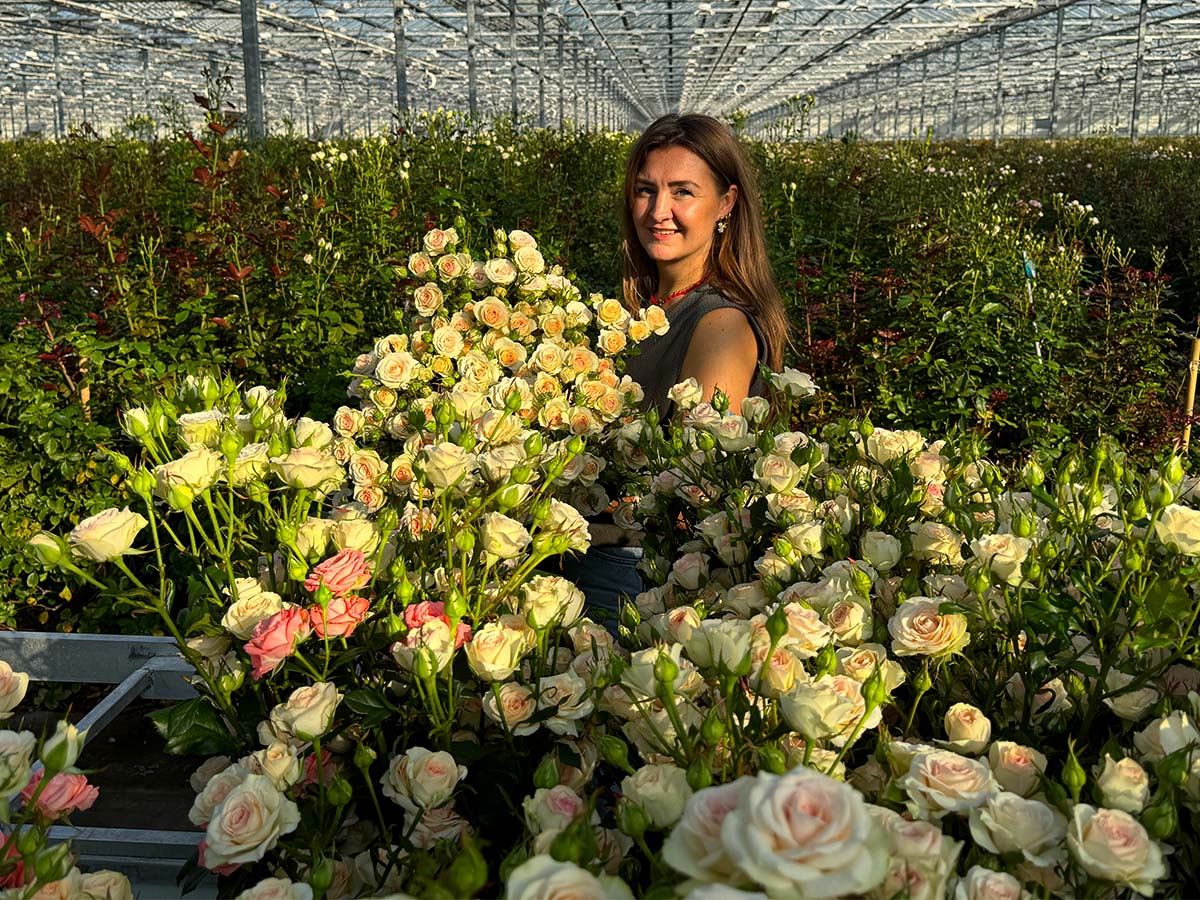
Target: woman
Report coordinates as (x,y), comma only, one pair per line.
(693,244)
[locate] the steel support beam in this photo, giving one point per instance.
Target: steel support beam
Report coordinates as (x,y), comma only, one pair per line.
(541,62)
(1058,33)
(252,70)
(60,116)
(512,58)
(562,80)
(472,75)
(398,8)
(954,90)
(1143,9)
(998,112)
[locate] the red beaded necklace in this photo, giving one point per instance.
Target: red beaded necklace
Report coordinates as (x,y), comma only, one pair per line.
(654,301)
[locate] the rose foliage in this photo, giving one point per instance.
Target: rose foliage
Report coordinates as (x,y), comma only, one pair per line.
(865,665)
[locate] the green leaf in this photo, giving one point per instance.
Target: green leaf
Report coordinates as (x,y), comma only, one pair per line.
(370,704)
(193,727)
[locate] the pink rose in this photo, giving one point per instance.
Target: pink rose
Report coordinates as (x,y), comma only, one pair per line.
(227,869)
(275,639)
(426,611)
(329,769)
(62,795)
(340,617)
(343,573)
(462,634)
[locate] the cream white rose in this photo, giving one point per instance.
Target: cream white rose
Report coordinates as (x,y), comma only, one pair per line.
(106,535)
(1124,785)
(502,537)
(1113,846)
(544,878)
(1179,526)
(661,790)
(514,707)
(276,889)
(938,782)
(241,617)
(694,845)
(881,550)
(1007,823)
(396,370)
(987,884)
(1017,768)
(549,600)
(201,429)
(1004,554)
(805,835)
(278,761)
(495,650)
(919,629)
(793,383)
(500,271)
(13,686)
(16,763)
(968,730)
(248,823)
(422,779)
(308,712)
(106,884)
(306,468)
(936,542)
(447,465)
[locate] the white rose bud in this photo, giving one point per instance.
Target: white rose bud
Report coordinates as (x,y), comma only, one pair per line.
(967,728)
(661,790)
(106,535)
(63,747)
(881,550)
(686,394)
(13,686)
(1124,785)
(1017,768)
(16,764)
(308,712)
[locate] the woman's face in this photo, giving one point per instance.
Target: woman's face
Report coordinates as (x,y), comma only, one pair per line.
(676,205)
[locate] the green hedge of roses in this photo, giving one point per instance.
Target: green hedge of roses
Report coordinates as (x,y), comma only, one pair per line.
(127,265)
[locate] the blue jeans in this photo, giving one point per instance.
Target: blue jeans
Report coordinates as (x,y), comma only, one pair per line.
(606,575)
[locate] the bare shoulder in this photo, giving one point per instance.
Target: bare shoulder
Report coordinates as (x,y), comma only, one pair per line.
(728,329)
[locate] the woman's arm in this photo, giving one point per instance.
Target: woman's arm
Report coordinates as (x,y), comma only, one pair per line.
(723,353)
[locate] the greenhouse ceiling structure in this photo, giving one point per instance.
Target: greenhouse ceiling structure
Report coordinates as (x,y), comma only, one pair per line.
(881,68)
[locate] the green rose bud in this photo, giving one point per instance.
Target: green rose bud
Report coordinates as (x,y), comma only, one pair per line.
(546,774)
(978,579)
(1160,818)
(404,590)
(873,690)
(320,876)
(53,863)
(141,482)
(652,417)
(576,445)
(705,441)
(339,792)
(713,728)
(1172,470)
(632,819)
(772,759)
(231,679)
(666,670)
(861,582)
(835,483)
(615,752)
(469,872)
(921,681)
(873,515)
(464,540)
(443,413)
(1032,473)
(827,661)
(699,774)
(865,428)
(49,548)
(521,473)
(777,624)
(62,748)
(364,756)
(1137,509)
(1073,776)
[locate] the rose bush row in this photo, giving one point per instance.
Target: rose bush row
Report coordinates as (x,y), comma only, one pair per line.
(866,664)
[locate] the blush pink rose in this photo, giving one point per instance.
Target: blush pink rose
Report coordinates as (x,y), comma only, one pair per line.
(62,795)
(275,639)
(342,573)
(426,611)
(329,769)
(227,869)
(433,610)
(340,617)
(462,634)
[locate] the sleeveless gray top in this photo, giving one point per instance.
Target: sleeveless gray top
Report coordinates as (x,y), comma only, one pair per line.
(656,368)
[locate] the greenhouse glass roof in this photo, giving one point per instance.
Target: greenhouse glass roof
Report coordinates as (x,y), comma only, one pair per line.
(882,68)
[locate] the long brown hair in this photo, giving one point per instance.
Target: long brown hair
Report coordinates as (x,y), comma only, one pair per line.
(737,264)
